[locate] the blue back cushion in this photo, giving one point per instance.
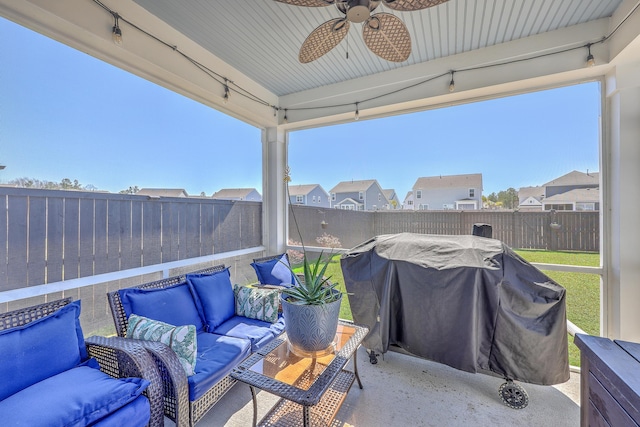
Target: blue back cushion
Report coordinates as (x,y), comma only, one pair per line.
(215,297)
(40,349)
(274,271)
(173,305)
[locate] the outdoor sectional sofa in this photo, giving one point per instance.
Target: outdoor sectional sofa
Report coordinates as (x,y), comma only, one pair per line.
(51,376)
(206,301)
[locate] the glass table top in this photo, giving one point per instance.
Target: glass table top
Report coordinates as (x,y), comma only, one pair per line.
(289,366)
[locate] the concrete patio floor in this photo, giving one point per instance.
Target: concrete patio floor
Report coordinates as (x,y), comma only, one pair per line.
(401,390)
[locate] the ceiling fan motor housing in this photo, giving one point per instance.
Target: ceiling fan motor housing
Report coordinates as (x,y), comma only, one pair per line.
(358,10)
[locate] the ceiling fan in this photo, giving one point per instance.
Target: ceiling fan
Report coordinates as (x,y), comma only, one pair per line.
(383,33)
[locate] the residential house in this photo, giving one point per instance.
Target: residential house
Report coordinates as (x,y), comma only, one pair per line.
(247,194)
(576,200)
(573,191)
(530,198)
(162,192)
(392,197)
(451,192)
(407,203)
(364,195)
(309,195)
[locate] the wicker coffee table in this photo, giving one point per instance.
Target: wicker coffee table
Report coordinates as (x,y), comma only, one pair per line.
(312,388)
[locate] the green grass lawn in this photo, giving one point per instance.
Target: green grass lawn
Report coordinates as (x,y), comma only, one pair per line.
(583,290)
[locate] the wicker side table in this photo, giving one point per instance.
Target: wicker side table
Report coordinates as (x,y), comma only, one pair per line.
(312,389)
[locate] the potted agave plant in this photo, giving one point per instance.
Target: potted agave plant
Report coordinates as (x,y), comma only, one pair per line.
(312,306)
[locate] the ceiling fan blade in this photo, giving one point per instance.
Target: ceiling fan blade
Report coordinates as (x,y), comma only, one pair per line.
(323,39)
(308,3)
(387,36)
(409,5)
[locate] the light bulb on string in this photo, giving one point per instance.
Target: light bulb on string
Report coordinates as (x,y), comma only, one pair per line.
(285,119)
(452,85)
(116,33)
(357,116)
(226,91)
(590,59)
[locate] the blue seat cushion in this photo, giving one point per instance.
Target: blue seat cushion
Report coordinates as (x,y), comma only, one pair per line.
(217,356)
(40,349)
(134,414)
(258,332)
(174,305)
(77,397)
(214,296)
(274,271)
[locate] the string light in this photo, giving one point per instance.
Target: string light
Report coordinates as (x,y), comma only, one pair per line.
(590,59)
(285,120)
(116,33)
(226,91)
(117,38)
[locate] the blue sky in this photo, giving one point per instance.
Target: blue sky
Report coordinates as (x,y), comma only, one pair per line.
(64,114)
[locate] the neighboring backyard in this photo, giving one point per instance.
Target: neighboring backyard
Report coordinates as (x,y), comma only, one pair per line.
(583,290)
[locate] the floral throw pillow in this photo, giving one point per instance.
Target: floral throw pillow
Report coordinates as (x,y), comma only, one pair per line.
(181,339)
(255,303)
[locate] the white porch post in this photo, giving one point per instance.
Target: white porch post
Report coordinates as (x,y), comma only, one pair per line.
(274,203)
(621,158)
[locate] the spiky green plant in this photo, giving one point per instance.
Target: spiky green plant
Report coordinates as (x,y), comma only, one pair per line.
(314,288)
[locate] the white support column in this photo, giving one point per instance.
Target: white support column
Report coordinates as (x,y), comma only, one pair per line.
(622,230)
(274,202)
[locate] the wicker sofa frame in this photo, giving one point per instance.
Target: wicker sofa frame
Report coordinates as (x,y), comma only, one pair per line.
(117,357)
(177,405)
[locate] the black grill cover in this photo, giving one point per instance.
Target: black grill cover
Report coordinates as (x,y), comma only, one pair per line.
(466,301)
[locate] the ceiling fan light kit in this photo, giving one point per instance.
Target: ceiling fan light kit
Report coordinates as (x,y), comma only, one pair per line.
(383,33)
(358,10)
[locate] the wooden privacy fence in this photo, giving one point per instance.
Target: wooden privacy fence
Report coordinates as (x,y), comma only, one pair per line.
(52,235)
(48,236)
(545,230)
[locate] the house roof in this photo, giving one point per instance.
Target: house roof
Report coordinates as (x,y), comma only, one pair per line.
(389,193)
(536,192)
(351,186)
(473,180)
(575,178)
(162,192)
(588,195)
(233,193)
(302,189)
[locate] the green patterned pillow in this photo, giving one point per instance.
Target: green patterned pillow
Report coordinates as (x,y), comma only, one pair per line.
(255,303)
(181,339)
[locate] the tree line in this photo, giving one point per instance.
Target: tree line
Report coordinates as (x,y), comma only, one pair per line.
(507,199)
(64,184)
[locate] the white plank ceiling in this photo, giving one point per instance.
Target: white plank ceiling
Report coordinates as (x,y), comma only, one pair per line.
(261,38)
